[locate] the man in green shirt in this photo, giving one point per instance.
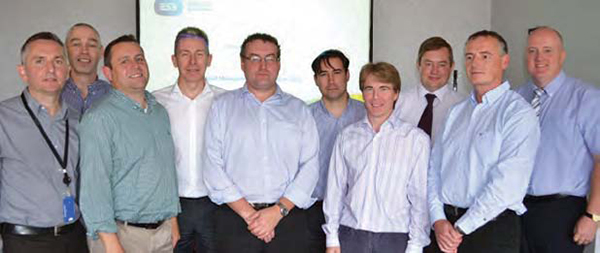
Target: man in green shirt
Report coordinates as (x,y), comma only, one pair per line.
(128,181)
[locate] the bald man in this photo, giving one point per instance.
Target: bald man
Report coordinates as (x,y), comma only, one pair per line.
(559,218)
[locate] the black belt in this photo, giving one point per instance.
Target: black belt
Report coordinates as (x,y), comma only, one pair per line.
(459,211)
(546,198)
(192,199)
(143,225)
(259,206)
(15,229)
(454,211)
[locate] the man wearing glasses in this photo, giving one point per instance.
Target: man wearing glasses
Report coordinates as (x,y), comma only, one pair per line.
(261,158)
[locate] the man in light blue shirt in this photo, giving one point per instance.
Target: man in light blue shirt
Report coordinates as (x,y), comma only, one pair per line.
(332,113)
(261,158)
(558,219)
(483,157)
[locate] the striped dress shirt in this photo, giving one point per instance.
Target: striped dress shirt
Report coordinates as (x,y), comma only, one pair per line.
(378,182)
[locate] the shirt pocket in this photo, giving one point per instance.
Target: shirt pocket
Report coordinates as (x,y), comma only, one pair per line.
(486,147)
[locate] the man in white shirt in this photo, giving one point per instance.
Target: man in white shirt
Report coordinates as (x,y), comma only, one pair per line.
(377,184)
(427,104)
(188,102)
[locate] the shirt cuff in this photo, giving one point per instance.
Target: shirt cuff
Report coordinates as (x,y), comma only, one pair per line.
(105,227)
(413,248)
(299,198)
(468,224)
(332,240)
(227,195)
(436,214)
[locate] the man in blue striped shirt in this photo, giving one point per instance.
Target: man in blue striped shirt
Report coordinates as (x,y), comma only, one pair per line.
(332,113)
(376,188)
(482,158)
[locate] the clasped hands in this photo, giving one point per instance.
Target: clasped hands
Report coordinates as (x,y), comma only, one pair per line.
(262,223)
(448,237)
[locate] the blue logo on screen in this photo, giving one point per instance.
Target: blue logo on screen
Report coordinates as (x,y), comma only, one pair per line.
(168,7)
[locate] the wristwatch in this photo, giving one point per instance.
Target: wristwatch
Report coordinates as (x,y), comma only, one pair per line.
(594,217)
(282,209)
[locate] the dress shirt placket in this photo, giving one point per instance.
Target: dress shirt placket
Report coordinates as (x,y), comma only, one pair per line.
(371,169)
(262,115)
(193,148)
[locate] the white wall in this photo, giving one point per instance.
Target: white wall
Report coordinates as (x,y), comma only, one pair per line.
(577,20)
(399,28)
(20,19)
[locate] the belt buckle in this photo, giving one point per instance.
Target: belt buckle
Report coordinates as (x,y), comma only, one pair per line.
(56,231)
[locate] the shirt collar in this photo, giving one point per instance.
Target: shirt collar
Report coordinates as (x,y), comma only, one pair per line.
(492,95)
(38,109)
(439,93)
(127,101)
(321,106)
(96,85)
(278,93)
(206,90)
(392,122)
(554,85)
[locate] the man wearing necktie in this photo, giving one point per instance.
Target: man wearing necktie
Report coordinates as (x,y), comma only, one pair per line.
(427,104)
(567,165)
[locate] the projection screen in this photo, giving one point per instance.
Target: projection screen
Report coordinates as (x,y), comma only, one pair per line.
(304,29)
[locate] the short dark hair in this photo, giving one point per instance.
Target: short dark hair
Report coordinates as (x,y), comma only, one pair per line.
(39,36)
(495,35)
(191,32)
(383,72)
(434,43)
(533,29)
(121,39)
(260,36)
(326,56)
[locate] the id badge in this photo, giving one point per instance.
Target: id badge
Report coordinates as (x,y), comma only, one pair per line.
(69,209)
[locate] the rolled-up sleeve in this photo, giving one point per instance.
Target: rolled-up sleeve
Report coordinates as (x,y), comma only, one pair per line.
(301,188)
(221,188)
(96,201)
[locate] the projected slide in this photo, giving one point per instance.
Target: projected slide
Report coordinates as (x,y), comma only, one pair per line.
(304,29)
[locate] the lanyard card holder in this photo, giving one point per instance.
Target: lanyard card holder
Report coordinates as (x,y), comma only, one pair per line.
(69,208)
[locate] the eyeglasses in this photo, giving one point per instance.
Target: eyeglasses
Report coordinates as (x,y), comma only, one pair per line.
(257,59)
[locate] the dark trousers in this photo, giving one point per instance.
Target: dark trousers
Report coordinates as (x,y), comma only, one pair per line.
(196,225)
(71,242)
(360,241)
(500,235)
(548,225)
(315,220)
(232,234)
